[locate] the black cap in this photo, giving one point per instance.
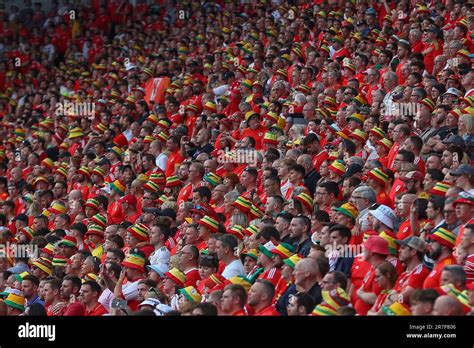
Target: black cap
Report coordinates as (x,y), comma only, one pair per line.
(352,169)
(167,212)
(21,217)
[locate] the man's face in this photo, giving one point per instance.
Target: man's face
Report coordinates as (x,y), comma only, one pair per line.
(142,290)
(281,224)
(66,289)
(49,293)
(255,295)
(28,288)
(299,274)
(86,294)
(434,250)
(328,283)
(421,308)
(227,303)
(467,238)
(336,238)
(296,228)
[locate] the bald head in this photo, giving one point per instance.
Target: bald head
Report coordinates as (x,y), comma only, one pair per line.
(447,305)
(75,195)
(308,265)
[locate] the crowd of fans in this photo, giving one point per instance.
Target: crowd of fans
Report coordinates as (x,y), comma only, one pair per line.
(307,158)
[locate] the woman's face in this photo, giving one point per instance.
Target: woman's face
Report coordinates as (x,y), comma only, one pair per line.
(381,279)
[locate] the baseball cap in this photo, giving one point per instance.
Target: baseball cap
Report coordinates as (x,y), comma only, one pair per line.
(454,139)
(159,268)
(352,169)
(454,91)
(167,212)
(414,175)
(21,217)
(463,169)
(413,242)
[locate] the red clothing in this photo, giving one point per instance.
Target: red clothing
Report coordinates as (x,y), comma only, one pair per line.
(173,160)
(359,269)
(192,277)
(392,153)
(468,266)
(404,231)
(432,280)
(396,188)
(267,311)
(413,278)
(383,198)
(240,313)
(98,310)
(369,284)
(74,309)
(273,275)
(256,134)
(115,213)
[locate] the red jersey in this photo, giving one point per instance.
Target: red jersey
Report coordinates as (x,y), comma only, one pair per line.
(192,277)
(273,275)
(413,278)
(267,311)
(98,310)
(369,284)
(432,280)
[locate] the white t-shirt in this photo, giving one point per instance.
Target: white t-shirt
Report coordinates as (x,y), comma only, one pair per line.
(130,290)
(233,269)
(161,161)
(160,256)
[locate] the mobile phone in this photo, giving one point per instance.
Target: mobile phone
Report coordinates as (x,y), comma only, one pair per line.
(119,303)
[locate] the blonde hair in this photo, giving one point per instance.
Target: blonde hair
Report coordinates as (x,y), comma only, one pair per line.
(468,120)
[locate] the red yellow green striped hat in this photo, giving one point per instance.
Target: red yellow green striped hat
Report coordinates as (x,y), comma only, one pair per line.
(210,106)
(379,175)
(332,156)
(99,172)
(100,127)
(139,231)
(93,203)
(253,253)
(378,132)
(158,178)
(322,310)
(251,230)
(84,171)
(209,222)
(48,249)
(284,250)
(117,150)
(304,88)
(90,277)
(324,48)
(250,114)
(213,179)
(21,276)
(58,208)
(96,230)
(172,181)
(324,112)
(430,104)
(62,171)
(118,187)
(240,280)
(48,162)
(191,294)
(243,204)
(397,309)
(357,117)
(142,177)
(69,241)
(256,212)
(440,188)
(134,261)
(349,210)
(443,237)
(15,301)
(247,83)
(44,264)
(40,178)
(386,143)
(162,136)
(151,186)
(282,72)
(392,245)
(100,220)
(359,135)
(330,101)
(28,232)
(59,261)
(360,99)
(177,276)
(293,260)
(336,298)
(344,133)
(272,116)
(306,200)
(267,249)
(148,139)
(464,300)
(338,167)
(270,138)
(237,231)
(153,119)
(162,199)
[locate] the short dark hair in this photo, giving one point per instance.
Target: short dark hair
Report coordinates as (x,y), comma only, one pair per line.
(269,232)
(238,290)
(305,300)
(299,169)
(32,278)
(117,253)
(424,295)
(76,281)
(268,287)
(207,308)
(344,231)
(117,239)
(229,241)
(340,278)
(204,192)
(331,187)
(94,286)
(208,260)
